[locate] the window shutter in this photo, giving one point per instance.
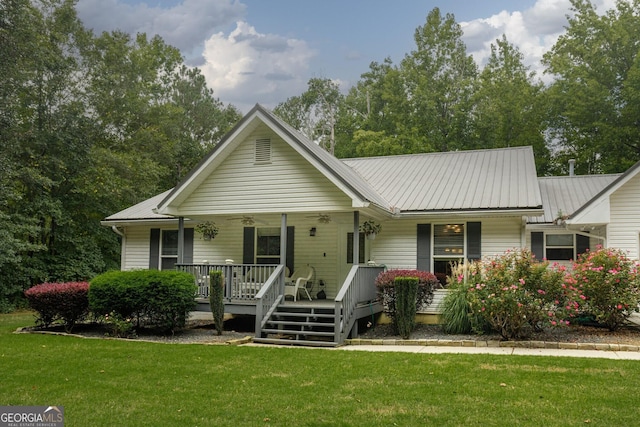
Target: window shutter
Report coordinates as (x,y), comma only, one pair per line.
(248,242)
(188,246)
(474,241)
(290,252)
(537,244)
(582,244)
(154,249)
(424,247)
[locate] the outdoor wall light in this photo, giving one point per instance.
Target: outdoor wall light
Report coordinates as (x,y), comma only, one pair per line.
(312,231)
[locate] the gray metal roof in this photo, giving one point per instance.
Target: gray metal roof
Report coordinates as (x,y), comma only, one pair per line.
(567,194)
(141,211)
(500,179)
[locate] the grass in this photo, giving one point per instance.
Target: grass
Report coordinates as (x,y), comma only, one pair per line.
(128,383)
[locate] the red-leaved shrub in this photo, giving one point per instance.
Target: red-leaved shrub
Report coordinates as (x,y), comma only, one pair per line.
(67,302)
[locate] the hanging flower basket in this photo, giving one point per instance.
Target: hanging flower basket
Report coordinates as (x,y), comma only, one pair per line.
(207,229)
(370,229)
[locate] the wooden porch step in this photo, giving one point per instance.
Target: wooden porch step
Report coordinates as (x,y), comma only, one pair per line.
(297,332)
(306,343)
(303,315)
(312,324)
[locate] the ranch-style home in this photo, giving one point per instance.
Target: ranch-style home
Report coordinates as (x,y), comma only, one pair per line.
(289,223)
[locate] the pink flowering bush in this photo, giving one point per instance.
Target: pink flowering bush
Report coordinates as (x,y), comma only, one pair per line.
(606,284)
(385,283)
(514,295)
(67,302)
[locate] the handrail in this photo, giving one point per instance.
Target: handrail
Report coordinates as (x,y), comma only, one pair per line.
(268,298)
(358,288)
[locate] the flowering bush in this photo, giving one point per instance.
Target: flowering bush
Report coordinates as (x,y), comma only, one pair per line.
(606,283)
(118,326)
(514,294)
(385,282)
(67,302)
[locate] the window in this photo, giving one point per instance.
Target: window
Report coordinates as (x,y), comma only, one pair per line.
(268,245)
(350,248)
(559,247)
(169,249)
(448,247)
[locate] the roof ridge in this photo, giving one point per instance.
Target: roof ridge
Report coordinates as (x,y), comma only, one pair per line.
(440,153)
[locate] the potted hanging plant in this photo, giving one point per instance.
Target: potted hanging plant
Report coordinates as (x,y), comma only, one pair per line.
(208,229)
(370,228)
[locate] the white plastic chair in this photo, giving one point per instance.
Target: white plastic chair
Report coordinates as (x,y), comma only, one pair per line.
(298,283)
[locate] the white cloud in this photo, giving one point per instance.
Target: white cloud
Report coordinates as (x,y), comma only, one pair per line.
(534,31)
(185,25)
(246,66)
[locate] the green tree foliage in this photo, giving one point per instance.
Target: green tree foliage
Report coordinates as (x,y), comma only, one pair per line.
(315,112)
(88,126)
(439,79)
(509,104)
(595,92)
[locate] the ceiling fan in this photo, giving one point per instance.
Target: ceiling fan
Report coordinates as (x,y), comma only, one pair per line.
(322,218)
(245,220)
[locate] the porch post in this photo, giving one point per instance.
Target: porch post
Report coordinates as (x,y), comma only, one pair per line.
(356,237)
(283,239)
(181,240)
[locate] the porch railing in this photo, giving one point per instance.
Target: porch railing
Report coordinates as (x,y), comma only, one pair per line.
(358,288)
(242,281)
(268,298)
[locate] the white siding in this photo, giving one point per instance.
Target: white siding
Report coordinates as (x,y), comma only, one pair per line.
(136,248)
(624,229)
(396,245)
(288,184)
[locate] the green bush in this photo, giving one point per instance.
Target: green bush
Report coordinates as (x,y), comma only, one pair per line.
(455,311)
(160,299)
(606,282)
(216,301)
(67,302)
(385,284)
(406,289)
(513,294)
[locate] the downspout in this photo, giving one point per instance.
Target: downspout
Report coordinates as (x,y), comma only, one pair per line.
(116,230)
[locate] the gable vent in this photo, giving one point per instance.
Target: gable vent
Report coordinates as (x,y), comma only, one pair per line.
(263,151)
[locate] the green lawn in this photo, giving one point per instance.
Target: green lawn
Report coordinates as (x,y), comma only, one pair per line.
(128,383)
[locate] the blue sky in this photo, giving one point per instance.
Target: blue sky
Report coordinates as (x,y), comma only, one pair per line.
(266,50)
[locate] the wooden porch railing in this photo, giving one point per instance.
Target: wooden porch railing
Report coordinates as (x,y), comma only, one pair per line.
(358,288)
(242,281)
(268,298)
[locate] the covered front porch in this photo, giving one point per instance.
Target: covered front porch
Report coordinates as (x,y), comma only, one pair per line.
(259,290)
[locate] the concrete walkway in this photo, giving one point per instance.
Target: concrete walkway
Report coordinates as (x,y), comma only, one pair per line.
(505,351)
(459,348)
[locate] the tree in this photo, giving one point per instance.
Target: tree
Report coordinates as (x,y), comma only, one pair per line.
(595,93)
(439,80)
(88,126)
(315,112)
(509,104)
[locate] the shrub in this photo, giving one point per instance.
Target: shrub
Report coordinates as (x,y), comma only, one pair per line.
(606,282)
(514,294)
(406,290)
(216,301)
(67,302)
(385,283)
(157,298)
(455,311)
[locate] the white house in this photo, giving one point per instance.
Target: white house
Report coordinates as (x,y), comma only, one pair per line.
(280,200)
